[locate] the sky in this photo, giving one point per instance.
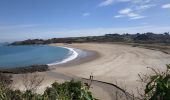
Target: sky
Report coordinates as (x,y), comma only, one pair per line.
(30,19)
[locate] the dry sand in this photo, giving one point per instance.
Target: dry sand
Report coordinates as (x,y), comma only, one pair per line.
(114,63)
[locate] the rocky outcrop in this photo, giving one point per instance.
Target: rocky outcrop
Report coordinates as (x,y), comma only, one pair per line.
(27,69)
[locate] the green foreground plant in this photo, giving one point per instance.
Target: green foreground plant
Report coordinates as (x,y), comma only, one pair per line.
(157,86)
(73,90)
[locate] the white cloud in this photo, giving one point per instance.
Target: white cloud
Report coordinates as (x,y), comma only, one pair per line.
(86,14)
(128,12)
(166,6)
(106,3)
(136,7)
(125,11)
(110,2)
(138,17)
(123,0)
(143,7)
(132,14)
(118,16)
(142,1)
(132,2)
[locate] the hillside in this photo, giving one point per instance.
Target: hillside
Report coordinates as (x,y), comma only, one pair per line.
(144,38)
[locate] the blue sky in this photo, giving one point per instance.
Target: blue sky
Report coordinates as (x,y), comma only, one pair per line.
(24,19)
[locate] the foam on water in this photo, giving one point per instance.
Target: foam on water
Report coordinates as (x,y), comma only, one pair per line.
(72,55)
(20,56)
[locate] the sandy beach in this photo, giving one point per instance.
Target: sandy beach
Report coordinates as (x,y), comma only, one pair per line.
(113,63)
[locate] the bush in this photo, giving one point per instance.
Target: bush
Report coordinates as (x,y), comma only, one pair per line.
(158,86)
(68,91)
(73,90)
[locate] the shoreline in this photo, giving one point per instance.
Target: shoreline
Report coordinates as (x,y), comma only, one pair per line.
(116,63)
(74,54)
(82,56)
(112,63)
(78,56)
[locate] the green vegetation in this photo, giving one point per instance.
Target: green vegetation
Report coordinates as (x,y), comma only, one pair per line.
(73,90)
(68,91)
(144,38)
(158,87)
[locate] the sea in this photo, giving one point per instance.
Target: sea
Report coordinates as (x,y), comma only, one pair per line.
(21,56)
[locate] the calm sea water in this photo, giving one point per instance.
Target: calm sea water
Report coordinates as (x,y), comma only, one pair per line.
(20,56)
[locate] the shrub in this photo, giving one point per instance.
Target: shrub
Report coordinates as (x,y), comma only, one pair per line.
(73,90)
(69,91)
(158,85)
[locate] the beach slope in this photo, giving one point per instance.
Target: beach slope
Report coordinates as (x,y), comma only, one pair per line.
(114,63)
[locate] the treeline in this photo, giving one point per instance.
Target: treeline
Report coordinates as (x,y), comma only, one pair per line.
(148,37)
